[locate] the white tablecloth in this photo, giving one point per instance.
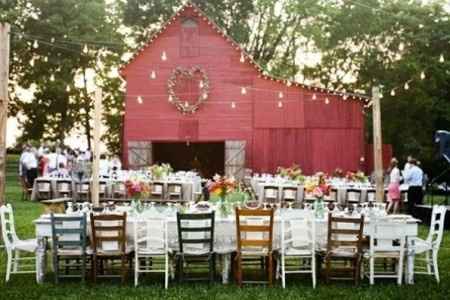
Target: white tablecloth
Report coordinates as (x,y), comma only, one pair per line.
(224,237)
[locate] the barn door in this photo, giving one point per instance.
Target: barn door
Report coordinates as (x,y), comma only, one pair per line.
(139,154)
(235,159)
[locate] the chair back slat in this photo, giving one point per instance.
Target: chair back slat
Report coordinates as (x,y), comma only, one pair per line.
(254,229)
(196,231)
(7,224)
(109,232)
(345,233)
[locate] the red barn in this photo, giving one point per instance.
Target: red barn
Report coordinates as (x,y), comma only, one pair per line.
(195,99)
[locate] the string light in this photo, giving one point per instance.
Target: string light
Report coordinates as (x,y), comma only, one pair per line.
(422,75)
(401,47)
(314,97)
(186,104)
(242,58)
(52,40)
(280,95)
(327,101)
(139,100)
(52,77)
(68,88)
(205,96)
(32,62)
(153,74)
(233,105)
(441,58)
(170,98)
(35,44)
(200,84)
(406,87)
(164,56)
(85,49)
(280,104)
(243,91)
(288,83)
(45,59)
(392,92)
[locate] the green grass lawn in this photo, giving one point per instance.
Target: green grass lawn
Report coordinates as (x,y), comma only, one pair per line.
(24,286)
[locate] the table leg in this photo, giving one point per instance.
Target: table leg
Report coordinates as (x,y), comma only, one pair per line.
(226,267)
(41,259)
(410,261)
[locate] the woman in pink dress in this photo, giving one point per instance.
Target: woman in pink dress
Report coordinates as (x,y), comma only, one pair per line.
(394,187)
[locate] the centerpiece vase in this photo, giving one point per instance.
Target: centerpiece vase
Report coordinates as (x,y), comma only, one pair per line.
(223,209)
(319,210)
(137,205)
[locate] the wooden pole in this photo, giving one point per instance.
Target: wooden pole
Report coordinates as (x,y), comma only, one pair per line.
(96,154)
(4,77)
(377,144)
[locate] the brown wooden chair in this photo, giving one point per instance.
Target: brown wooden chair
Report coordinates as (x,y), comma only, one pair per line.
(270,194)
(83,190)
(254,240)
(44,189)
(26,189)
(109,243)
(64,189)
(332,197)
(288,195)
(353,196)
(345,246)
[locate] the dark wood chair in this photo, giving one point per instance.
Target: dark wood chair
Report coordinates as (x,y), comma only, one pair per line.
(26,189)
(69,246)
(270,194)
(288,195)
(332,197)
(44,189)
(119,191)
(344,248)
(196,243)
(83,190)
(109,243)
(64,189)
(254,240)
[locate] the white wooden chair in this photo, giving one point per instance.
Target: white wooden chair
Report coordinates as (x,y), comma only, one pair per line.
(151,245)
(14,246)
(158,190)
(298,240)
(430,246)
(387,241)
(270,194)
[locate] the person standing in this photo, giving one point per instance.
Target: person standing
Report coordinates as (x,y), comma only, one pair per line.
(394,195)
(30,165)
(414,179)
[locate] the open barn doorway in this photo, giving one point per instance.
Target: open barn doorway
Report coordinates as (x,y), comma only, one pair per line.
(208,158)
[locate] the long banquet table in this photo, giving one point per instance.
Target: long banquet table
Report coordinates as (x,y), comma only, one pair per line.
(224,238)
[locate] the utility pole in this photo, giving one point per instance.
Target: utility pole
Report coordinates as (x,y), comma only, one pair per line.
(377,144)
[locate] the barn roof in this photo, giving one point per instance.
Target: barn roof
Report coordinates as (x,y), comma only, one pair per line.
(239,48)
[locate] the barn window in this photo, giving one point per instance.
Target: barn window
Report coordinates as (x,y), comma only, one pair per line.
(189,44)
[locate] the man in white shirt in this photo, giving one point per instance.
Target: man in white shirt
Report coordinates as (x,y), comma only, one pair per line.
(103,168)
(413,177)
(29,164)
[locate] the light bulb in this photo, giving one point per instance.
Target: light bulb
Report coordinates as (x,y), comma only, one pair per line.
(314,97)
(243,90)
(85,49)
(280,104)
(68,88)
(164,56)
(170,98)
(406,87)
(242,58)
(186,104)
(139,100)
(422,75)
(392,92)
(52,40)
(327,101)
(345,97)
(52,77)
(441,58)
(45,59)
(205,96)
(288,83)
(401,47)
(153,75)
(200,84)
(32,62)
(35,44)
(233,105)
(280,95)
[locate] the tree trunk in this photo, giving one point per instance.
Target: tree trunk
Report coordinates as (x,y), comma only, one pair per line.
(87,107)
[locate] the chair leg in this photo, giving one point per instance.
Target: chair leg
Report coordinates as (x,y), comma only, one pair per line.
(83,268)
(124,269)
(435,266)
(428,260)
(371,270)
(270,269)
(56,268)
(400,270)
(327,269)
(136,271)
(9,266)
(166,275)
(94,268)
(283,272)
(313,270)
(16,260)
(238,261)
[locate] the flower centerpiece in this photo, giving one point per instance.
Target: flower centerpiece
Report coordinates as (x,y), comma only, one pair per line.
(137,190)
(222,186)
(319,188)
(338,173)
(293,173)
(358,176)
(159,171)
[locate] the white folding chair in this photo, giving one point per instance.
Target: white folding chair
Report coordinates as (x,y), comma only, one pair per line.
(151,244)
(298,241)
(430,246)
(14,246)
(387,240)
